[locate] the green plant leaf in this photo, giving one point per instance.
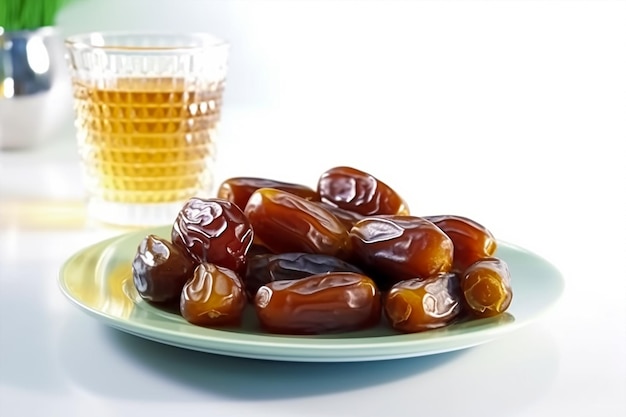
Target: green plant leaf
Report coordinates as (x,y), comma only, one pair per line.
(29,14)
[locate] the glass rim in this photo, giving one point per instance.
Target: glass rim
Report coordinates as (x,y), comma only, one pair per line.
(98,40)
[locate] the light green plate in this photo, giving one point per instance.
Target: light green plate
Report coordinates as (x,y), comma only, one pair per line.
(98,280)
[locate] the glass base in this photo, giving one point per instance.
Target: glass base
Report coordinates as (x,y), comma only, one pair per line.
(133,215)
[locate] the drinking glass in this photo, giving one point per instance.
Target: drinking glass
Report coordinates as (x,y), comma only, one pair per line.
(147,108)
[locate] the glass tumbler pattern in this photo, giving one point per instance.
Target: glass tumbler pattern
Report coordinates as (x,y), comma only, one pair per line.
(147,109)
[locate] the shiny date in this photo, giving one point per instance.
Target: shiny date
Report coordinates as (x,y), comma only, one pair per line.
(160,269)
(472,241)
(323,303)
(214,296)
(396,248)
(214,231)
(284,222)
(486,287)
(417,305)
(266,268)
(358,191)
(239,189)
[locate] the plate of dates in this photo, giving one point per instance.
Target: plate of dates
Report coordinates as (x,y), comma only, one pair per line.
(335,273)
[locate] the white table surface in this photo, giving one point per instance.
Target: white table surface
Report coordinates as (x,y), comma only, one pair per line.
(529,143)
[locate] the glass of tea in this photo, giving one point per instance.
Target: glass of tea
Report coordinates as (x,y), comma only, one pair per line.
(147,109)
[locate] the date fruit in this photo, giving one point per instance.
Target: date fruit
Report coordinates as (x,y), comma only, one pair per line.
(322,303)
(263,269)
(348,218)
(416,305)
(354,190)
(397,248)
(285,222)
(239,189)
(160,269)
(342,256)
(214,231)
(486,287)
(214,296)
(472,241)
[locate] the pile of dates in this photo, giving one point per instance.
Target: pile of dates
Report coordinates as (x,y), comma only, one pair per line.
(341,257)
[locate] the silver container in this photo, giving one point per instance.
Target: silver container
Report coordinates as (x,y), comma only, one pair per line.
(35,88)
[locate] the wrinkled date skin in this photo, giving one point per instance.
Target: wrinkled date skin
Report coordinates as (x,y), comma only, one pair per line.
(160,269)
(486,287)
(354,190)
(263,269)
(348,218)
(472,241)
(214,231)
(284,222)
(323,303)
(396,248)
(417,305)
(214,296)
(239,189)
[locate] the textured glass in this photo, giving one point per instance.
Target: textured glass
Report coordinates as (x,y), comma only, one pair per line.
(147,114)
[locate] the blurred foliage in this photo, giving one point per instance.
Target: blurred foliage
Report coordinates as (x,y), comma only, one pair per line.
(29,14)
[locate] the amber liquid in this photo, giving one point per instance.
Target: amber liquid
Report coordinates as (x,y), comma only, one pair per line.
(147,140)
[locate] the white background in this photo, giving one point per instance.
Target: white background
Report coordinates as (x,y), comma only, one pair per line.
(509,112)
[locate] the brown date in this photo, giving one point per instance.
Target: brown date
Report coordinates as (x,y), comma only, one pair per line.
(160,269)
(214,231)
(239,189)
(214,296)
(322,303)
(263,269)
(416,305)
(354,190)
(285,222)
(486,287)
(348,218)
(395,248)
(472,241)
